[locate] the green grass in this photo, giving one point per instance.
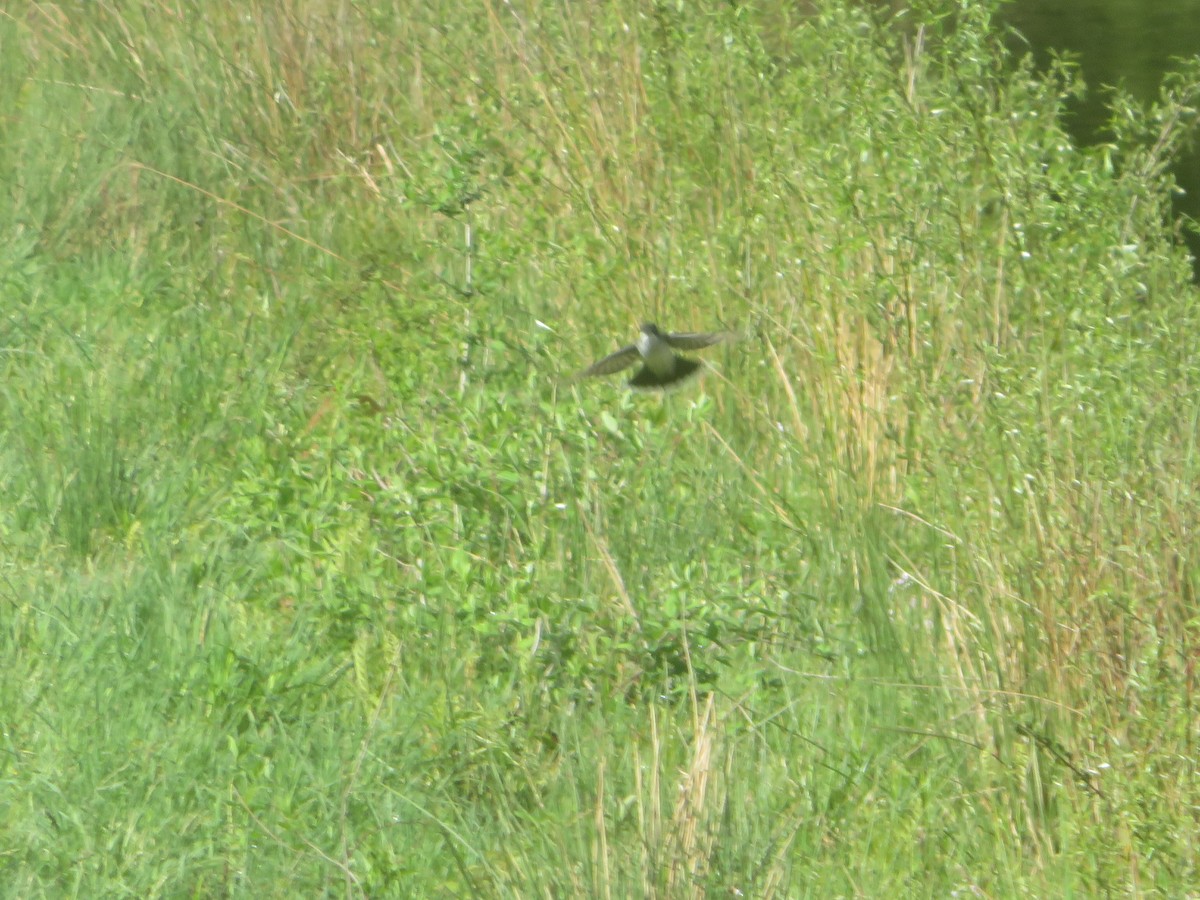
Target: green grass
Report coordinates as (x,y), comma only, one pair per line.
(318,577)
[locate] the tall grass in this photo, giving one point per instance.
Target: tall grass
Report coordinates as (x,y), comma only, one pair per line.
(320,576)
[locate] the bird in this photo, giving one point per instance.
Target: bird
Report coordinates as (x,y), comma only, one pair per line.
(661,367)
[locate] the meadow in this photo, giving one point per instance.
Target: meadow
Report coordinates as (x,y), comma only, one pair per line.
(320,576)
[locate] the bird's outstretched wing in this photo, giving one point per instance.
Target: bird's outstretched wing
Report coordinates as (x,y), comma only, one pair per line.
(695,340)
(614,362)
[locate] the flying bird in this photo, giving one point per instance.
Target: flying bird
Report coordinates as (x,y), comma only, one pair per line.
(661,367)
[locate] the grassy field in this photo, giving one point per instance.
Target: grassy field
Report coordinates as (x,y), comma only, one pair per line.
(320,577)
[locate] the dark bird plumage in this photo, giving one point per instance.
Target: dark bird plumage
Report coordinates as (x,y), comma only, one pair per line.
(661,367)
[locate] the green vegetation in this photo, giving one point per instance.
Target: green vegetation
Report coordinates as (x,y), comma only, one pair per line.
(317,577)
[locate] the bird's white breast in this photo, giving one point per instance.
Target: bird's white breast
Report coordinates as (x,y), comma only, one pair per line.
(656,352)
